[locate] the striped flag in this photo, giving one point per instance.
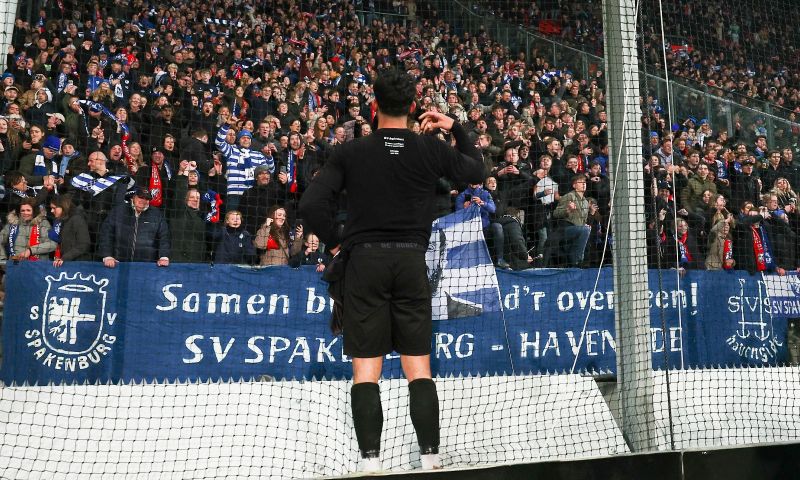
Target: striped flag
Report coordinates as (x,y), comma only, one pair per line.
(88,183)
(460,270)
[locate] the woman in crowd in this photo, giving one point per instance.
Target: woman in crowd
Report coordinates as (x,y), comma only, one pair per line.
(786,196)
(137,157)
(719,254)
(70,231)
(273,238)
(25,236)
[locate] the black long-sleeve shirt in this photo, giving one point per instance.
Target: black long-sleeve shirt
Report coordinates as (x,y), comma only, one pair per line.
(390,178)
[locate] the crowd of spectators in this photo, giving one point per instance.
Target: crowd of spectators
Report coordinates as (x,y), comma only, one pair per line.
(748,53)
(188,132)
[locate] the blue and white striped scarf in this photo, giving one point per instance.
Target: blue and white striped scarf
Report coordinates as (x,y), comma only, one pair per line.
(88,183)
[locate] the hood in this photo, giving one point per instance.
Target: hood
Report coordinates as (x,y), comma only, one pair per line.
(13,219)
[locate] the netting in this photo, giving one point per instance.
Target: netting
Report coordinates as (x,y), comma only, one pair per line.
(633,286)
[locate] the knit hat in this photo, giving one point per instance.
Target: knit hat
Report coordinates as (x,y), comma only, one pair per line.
(52,142)
(244,133)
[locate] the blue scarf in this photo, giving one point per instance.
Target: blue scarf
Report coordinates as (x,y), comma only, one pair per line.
(12,239)
(54,233)
(62,167)
(769,260)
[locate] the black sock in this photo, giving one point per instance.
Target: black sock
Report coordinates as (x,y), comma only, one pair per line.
(424,406)
(367,418)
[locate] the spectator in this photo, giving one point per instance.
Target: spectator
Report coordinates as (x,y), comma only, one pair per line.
(684,249)
(232,242)
(543,197)
(135,232)
(597,243)
(273,239)
(310,254)
(97,191)
(25,236)
(511,174)
(692,196)
(475,194)
(745,186)
(69,231)
(40,167)
(155,178)
(240,163)
(186,221)
(18,191)
(720,246)
(516,250)
(752,250)
(571,212)
(258,199)
(772,170)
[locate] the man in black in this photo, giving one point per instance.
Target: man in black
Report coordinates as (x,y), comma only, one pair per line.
(390,178)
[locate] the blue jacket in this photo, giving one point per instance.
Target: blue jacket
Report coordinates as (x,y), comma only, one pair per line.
(233,245)
(487,208)
(129,238)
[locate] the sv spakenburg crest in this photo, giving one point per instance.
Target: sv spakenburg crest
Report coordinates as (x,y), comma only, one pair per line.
(70,323)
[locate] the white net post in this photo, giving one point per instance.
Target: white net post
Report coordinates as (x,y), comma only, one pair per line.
(632,317)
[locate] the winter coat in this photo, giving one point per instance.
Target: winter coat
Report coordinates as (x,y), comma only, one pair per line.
(131,238)
(22,238)
(276,256)
(233,245)
(75,242)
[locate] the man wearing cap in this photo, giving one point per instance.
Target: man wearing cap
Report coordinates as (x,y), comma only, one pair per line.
(10,95)
(240,162)
(55,125)
(41,168)
(135,232)
(745,185)
(652,147)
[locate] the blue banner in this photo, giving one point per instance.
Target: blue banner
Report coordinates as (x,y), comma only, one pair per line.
(84,322)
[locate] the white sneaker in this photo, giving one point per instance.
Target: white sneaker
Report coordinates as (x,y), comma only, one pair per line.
(430,461)
(371,464)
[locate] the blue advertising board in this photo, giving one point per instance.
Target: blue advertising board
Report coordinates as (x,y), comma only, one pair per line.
(138,322)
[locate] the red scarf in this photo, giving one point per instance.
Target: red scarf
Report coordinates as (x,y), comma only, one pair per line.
(758,250)
(33,241)
(685,249)
(727,254)
(155,186)
(272,244)
(126,151)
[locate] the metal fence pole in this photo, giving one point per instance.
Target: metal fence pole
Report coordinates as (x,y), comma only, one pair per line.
(632,315)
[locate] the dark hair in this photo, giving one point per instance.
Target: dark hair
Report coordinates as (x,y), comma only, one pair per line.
(64,202)
(275,231)
(394,92)
(13,177)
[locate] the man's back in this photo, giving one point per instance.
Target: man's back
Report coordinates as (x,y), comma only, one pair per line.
(390,178)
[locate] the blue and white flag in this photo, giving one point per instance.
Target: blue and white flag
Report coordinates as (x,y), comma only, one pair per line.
(88,183)
(460,270)
(783,294)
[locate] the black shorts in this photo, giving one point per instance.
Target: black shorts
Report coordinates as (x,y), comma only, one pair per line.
(387,301)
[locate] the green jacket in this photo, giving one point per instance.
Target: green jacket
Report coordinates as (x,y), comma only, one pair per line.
(578,216)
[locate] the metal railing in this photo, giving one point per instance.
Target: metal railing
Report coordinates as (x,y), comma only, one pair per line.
(687,98)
